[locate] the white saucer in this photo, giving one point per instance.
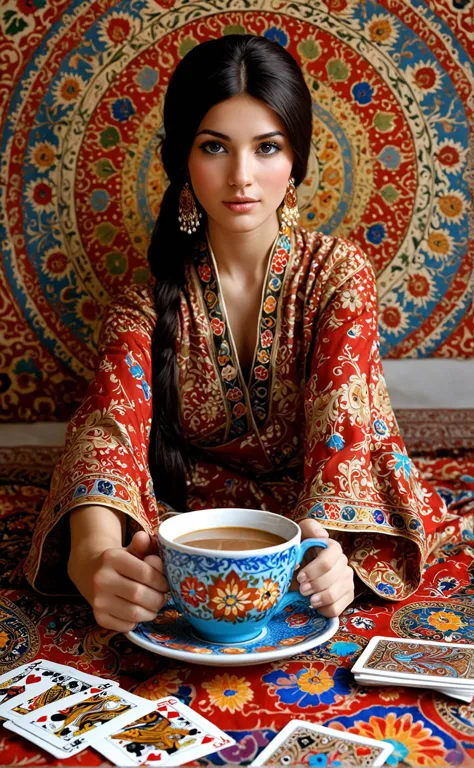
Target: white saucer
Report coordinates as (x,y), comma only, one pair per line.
(297,628)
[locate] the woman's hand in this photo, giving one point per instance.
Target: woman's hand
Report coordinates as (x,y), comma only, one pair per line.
(328,578)
(124,585)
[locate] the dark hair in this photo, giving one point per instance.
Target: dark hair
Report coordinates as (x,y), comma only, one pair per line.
(210,73)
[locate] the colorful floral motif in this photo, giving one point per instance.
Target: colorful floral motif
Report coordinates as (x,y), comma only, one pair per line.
(229,692)
(310,687)
(231,598)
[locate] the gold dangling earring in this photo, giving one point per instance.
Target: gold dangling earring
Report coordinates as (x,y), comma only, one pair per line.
(290,213)
(188,212)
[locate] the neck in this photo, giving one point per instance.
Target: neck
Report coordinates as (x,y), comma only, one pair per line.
(243,255)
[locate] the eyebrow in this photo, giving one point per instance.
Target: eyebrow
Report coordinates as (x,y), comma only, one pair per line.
(255,138)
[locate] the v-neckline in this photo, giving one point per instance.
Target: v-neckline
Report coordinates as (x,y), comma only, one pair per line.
(247,382)
(247,401)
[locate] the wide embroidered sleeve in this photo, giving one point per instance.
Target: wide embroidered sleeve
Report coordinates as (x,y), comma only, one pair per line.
(359,480)
(105,458)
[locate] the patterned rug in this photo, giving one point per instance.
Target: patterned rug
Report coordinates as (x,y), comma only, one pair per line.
(254,703)
(83,97)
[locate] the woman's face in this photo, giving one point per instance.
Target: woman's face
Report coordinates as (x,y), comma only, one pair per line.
(228,160)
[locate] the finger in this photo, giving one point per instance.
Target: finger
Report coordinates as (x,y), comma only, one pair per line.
(136,593)
(335,609)
(123,609)
(324,581)
(332,594)
(311,529)
(322,563)
(107,621)
(142,544)
(155,562)
(134,569)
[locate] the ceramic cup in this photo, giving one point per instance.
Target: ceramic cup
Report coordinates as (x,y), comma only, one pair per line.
(227,596)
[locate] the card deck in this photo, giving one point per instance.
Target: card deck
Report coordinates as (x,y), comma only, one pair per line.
(301,743)
(404,659)
(169,735)
(68,727)
(444,667)
(456,693)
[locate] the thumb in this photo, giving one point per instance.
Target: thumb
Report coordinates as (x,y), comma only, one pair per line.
(142,545)
(311,529)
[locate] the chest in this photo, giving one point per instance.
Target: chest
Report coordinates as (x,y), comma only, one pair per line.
(243,304)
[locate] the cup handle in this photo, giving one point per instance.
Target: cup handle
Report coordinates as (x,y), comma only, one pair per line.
(303,547)
(307,544)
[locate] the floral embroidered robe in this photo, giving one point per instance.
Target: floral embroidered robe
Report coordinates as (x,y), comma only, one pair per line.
(312,434)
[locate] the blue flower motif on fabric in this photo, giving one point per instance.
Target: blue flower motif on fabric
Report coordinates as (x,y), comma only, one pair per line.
(380,427)
(99,200)
(146,389)
(403,462)
(335,441)
(447,584)
(135,369)
(105,487)
(81,490)
(348,513)
(317,512)
(467,479)
(378,516)
(309,687)
(343,648)
(362,93)
(390,157)
(122,109)
(386,589)
(276,36)
(375,234)
(147,78)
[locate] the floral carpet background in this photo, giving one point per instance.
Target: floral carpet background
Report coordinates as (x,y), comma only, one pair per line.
(82,94)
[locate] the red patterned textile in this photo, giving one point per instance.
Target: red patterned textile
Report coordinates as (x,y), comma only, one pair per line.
(312,433)
(254,703)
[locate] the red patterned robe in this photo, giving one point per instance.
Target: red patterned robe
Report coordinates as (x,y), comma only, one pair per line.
(312,434)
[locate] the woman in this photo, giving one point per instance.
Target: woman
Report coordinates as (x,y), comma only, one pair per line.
(247,375)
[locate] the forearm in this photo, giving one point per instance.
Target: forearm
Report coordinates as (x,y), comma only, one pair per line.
(95,528)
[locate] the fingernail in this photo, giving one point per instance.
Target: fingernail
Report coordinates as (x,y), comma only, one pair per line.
(301,577)
(305,588)
(315,600)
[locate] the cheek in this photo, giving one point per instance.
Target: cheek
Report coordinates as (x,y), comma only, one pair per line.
(275,178)
(204,175)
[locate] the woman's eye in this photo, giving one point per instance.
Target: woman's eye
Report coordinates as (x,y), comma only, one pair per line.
(211,144)
(272,146)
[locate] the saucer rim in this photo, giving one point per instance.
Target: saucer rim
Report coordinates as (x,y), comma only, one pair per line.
(249,659)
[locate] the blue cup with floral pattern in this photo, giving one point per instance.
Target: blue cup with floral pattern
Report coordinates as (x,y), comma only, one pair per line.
(230,596)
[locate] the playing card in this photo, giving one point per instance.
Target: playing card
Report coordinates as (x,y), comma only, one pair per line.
(406,659)
(73,725)
(169,735)
(16,728)
(456,693)
(47,683)
(301,743)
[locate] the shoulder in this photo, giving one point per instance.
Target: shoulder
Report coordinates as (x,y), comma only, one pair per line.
(330,254)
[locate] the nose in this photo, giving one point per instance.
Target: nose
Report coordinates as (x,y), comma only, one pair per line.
(240,174)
